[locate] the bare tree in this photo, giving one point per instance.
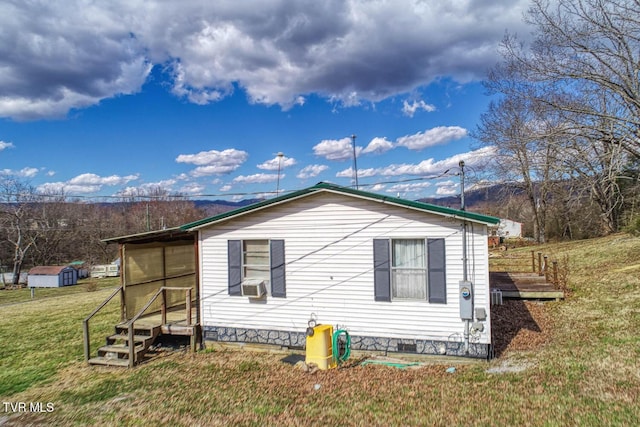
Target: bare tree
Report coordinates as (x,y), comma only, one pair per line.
(16,204)
(517,131)
(575,91)
(584,50)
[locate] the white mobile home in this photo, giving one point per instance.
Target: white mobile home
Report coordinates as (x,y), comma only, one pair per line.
(398,275)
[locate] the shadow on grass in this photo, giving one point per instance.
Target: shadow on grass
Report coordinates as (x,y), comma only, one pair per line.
(507,322)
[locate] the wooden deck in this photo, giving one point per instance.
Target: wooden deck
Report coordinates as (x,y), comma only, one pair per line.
(523,286)
(176,323)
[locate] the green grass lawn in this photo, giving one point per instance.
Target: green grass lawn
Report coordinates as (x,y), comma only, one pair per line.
(9,296)
(587,372)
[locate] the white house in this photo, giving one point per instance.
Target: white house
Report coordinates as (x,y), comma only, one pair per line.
(398,275)
(510,229)
(52,276)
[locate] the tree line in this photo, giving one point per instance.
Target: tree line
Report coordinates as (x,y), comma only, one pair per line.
(565,119)
(52,229)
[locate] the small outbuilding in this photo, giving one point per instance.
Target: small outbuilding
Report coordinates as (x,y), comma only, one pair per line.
(52,276)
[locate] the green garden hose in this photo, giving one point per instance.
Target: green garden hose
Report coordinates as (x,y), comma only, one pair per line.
(335,345)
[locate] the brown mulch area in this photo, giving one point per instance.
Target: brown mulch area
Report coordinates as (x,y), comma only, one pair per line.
(519,325)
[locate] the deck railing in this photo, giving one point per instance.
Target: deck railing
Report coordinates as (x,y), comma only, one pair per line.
(538,264)
(163,315)
(85,322)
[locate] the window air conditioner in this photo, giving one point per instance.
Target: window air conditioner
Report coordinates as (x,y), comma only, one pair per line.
(253,288)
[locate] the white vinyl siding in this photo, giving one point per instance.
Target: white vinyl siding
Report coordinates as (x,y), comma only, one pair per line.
(330,272)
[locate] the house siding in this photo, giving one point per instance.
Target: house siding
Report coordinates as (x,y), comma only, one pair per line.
(329,274)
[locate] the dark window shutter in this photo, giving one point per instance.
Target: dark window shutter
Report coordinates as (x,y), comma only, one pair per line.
(234,253)
(437,273)
(381,270)
(278,288)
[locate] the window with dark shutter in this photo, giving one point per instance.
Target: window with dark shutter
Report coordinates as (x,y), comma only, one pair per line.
(278,288)
(381,270)
(234,254)
(437,272)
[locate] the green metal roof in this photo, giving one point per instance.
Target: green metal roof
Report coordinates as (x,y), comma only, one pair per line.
(323,186)
(175,233)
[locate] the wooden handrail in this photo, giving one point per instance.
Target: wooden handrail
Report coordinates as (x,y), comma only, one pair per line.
(85,322)
(161,291)
(162,279)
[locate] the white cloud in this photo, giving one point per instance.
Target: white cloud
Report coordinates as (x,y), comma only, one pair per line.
(378,145)
(447,188)
(93,179)
(214,162)
(4,145)
(66,188)
(426,167)
(165,184)
(347,52)
(436,136)
(259,178)
(409,110)
(311,171)
(450,190)
(277,163)
(86,183)
(192,188)
(338,150)
(226,187)
(22,173)
(409,187)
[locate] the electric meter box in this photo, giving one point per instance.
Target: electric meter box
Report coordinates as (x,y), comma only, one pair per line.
(466,300)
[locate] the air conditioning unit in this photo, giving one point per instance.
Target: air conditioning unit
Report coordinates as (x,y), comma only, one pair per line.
(253,288)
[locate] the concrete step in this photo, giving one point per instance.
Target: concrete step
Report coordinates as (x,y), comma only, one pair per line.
(107,361)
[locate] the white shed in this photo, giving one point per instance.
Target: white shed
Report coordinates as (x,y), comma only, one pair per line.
(392,272)
(53,276)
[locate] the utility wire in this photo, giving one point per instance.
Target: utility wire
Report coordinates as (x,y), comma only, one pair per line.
(184,197)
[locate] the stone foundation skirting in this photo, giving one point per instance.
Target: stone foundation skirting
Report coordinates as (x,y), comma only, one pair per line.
(379,344)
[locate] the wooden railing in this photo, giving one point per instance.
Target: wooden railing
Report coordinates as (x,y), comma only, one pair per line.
(538,264)
(85,322)
(163,315)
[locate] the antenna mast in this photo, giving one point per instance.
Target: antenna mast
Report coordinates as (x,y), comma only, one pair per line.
(355,162)
(280,155)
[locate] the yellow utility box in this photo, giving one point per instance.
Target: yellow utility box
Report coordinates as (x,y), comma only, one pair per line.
(319,349)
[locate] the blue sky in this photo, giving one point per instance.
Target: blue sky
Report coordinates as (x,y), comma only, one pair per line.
(199,98)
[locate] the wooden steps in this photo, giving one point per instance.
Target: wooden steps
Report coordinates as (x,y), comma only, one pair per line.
(117,351)
(107,361)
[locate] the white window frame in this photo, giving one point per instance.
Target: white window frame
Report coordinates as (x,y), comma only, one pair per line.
(420,270)
(249,270)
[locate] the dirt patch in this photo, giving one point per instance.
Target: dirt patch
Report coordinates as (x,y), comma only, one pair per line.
(519,325)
